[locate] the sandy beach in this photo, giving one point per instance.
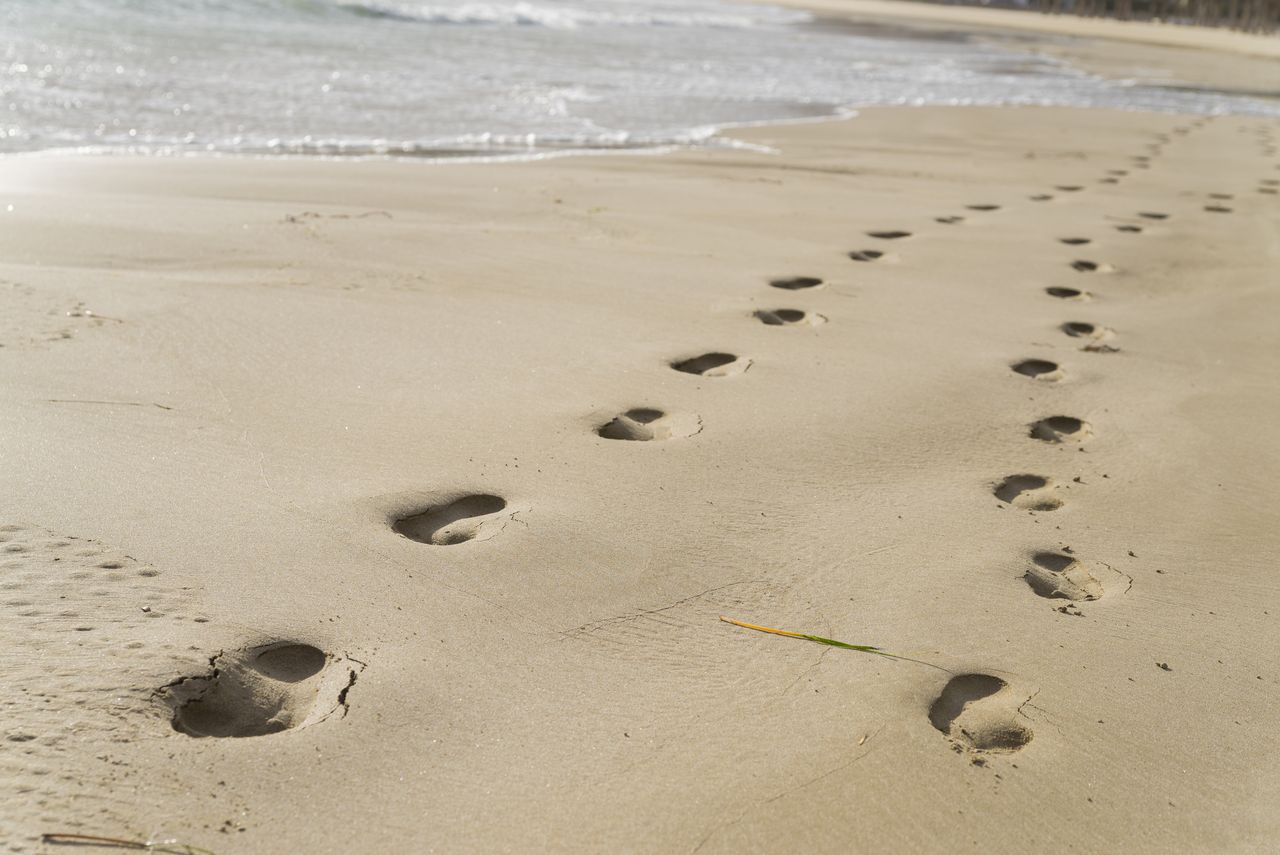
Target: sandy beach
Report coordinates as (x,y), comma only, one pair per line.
(434,481)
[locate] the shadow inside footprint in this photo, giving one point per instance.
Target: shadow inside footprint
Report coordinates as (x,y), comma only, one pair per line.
(1081,265)
(949,221)
(644,424)
(866,255)
(789,318)
(1153,215)
(1061,429)
(1066,293)
(1054,575)
(1218,209)
(796,283)
(1075,241)
(977,713)
(983,207)
(260,691)
(1069,188)
(1130,229)
(713,365)
(1038,369)
(889,235)
(456,522)
(1040,197)
(1080,329)
(1028,492)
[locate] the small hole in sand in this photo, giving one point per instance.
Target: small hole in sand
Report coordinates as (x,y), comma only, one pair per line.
(796,283)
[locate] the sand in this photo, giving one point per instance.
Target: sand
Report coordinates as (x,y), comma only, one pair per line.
(386,469)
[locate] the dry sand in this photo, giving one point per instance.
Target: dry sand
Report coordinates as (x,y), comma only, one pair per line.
(233,387)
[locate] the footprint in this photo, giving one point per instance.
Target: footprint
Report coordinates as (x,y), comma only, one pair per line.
(1117,172)
(457,521)
(1130,229)
(1153,215)
(1080,329)
(1109,181)
(261,690)
(1270,191)
(980,712)
(1058,429)
(713,365)
(647,425)
(796,283)
(1038,369)
(1269,182)
(983,207)
(789,318)
(1028,492)
(1055,575)
(1081,265)
(866,255)
(1218,209)
(1069,188)
(949,221)
(1075,241)
(1040,197)
(889,235)
(1223,196)
(1067,293)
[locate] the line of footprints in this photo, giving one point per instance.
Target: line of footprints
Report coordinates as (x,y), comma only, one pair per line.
(283,685)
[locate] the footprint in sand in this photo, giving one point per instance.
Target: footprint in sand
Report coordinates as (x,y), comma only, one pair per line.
(1068,293)
(1108,180)
(1129,229)
(1221,196)
(867,255)
(1028,493)
(889,235)
(789,318)
(1075,241)
(983,207)
(1153,215)
(1056,575)
(1117,172)
(1061,429)
(471,517)
(1081,329)
(1269,182)
(1040,197)
(644,424)
(1270,191)
(1218,209)
(796,283)
(980,712)
(949,221)
(1081,265)
(261,690)
(1039,369)
(713,365)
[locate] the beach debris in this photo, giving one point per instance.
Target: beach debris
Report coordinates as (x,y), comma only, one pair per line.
(817,639)
(167,846)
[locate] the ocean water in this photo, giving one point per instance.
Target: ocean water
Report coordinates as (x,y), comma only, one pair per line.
(440,78)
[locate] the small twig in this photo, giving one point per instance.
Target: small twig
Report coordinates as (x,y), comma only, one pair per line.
(112,403)
(830,642)
(151,846)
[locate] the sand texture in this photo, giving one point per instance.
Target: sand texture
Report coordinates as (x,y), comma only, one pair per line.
(377,507)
